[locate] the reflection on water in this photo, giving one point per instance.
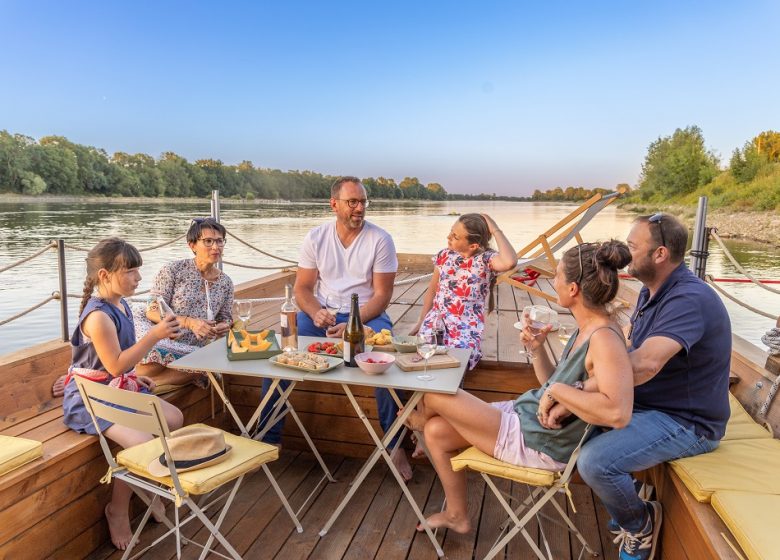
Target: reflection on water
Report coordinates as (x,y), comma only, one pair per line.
(279,229)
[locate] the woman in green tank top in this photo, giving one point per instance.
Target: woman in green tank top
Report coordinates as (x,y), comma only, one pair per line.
(541,427)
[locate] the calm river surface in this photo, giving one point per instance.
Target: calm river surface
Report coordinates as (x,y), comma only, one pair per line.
(279,229)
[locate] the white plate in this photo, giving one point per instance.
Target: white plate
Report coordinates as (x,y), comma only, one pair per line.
(333,362)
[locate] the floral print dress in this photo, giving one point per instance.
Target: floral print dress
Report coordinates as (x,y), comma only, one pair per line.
(464,285)
(184,289)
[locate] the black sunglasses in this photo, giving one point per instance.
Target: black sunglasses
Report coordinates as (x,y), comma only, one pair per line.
(658,219)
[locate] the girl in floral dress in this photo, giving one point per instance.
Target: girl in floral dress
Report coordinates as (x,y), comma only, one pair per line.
(463,278)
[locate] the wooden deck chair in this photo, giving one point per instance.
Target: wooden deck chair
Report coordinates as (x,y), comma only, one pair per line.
(538,255)
(143,412)
(543,485)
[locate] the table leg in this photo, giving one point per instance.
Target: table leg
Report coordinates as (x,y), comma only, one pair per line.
(276,415)
(381,451)
(218,387)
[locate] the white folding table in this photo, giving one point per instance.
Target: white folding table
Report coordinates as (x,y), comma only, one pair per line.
(445,381)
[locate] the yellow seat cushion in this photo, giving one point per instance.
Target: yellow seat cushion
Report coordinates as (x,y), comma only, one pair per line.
(741,425)
(746,465)
(16,451)
(245,454)
(752,519)
(475,460)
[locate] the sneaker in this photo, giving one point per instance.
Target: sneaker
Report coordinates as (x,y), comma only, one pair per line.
(612,525)
(641,546)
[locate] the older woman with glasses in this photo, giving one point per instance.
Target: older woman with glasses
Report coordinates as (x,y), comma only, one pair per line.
(201,297)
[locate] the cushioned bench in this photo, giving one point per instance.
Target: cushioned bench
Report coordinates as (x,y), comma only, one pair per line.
(16,451)
(740,481)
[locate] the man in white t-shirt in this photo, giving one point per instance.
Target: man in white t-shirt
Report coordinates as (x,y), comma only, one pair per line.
(346,256)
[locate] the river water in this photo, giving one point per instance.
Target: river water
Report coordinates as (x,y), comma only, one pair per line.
(279,229)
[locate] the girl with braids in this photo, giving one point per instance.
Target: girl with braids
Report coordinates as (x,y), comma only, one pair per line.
(105,350)
(541,428)
(463,277)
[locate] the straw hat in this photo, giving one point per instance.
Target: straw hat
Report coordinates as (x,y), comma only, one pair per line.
(192,447)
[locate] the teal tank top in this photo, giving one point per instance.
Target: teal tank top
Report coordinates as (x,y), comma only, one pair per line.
(558,444)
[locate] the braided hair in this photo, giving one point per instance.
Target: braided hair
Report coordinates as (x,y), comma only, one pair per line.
(112,254)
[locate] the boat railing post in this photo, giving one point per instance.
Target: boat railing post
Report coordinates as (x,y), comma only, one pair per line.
(63,290)
(215,205)
(215,213)
(700,242)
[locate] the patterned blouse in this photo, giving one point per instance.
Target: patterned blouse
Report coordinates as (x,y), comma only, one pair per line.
(184,289)
(464,284)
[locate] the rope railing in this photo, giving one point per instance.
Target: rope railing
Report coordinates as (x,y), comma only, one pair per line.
(731,258)
(718,289)
(237,238)
(282,267)
(152,248)
(55,295)
(50,245)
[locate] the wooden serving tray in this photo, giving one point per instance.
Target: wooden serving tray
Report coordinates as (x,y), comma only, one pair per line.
(381,348)
(439,361)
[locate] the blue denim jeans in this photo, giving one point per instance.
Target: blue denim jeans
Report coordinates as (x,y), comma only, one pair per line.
(385,404)
(610,456)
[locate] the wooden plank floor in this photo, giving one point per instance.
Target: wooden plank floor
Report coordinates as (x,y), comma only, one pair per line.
(378,523)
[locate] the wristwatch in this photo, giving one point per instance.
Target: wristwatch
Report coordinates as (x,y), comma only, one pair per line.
(578,385)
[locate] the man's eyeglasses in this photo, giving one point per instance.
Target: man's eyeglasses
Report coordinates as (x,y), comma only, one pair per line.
(210,241)
(353,202)
(658,219)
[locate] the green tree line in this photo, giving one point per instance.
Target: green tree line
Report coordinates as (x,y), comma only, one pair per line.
(55,165)
(679,168)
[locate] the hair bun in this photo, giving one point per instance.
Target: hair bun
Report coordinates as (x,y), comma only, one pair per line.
(613,254)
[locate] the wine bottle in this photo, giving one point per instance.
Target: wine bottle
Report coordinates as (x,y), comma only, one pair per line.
(289,321)
(353,334)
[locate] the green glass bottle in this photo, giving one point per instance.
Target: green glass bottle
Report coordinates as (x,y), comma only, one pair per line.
(354,336)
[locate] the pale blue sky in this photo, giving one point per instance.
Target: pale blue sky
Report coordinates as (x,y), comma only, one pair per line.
(498,97)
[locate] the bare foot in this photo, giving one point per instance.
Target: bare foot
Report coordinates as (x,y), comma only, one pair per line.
(402,464)
(419,451)
(415,421)
(58,389)
(119,527)
(445,520)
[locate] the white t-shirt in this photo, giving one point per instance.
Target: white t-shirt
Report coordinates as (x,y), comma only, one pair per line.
(347,271)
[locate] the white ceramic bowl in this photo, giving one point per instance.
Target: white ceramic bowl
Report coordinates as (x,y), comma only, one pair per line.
(382,361)
(405,344)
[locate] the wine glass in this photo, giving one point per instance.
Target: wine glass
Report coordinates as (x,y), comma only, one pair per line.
(536,317)
(564,333)
(333,304)
(243,309)
(426,347)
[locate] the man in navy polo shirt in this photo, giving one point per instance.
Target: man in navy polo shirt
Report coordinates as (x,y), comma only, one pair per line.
(680,350)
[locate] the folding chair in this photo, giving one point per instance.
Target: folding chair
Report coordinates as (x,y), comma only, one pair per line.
(538,255)
(144,413)
(543,486)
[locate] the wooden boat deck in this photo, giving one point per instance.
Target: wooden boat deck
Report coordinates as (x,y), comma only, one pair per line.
(378,523)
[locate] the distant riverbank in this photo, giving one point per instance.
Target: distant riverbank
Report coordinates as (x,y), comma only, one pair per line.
(762,226)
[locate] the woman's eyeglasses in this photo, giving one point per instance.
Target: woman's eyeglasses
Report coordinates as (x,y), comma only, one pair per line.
(353,202)
(658,220)
(211,241)
(579,254)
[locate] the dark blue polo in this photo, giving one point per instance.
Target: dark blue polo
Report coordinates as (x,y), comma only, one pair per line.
(693,386)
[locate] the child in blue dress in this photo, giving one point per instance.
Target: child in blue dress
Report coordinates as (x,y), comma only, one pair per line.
(104,349)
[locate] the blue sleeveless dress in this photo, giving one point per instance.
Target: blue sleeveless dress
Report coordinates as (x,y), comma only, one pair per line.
(84,356)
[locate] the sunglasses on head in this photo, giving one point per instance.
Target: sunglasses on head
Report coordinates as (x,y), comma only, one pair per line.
(658,220)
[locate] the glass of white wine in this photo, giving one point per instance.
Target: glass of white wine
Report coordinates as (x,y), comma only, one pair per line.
(426,347)
(536,317)
(564,333)
(333,304)
(243,309)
